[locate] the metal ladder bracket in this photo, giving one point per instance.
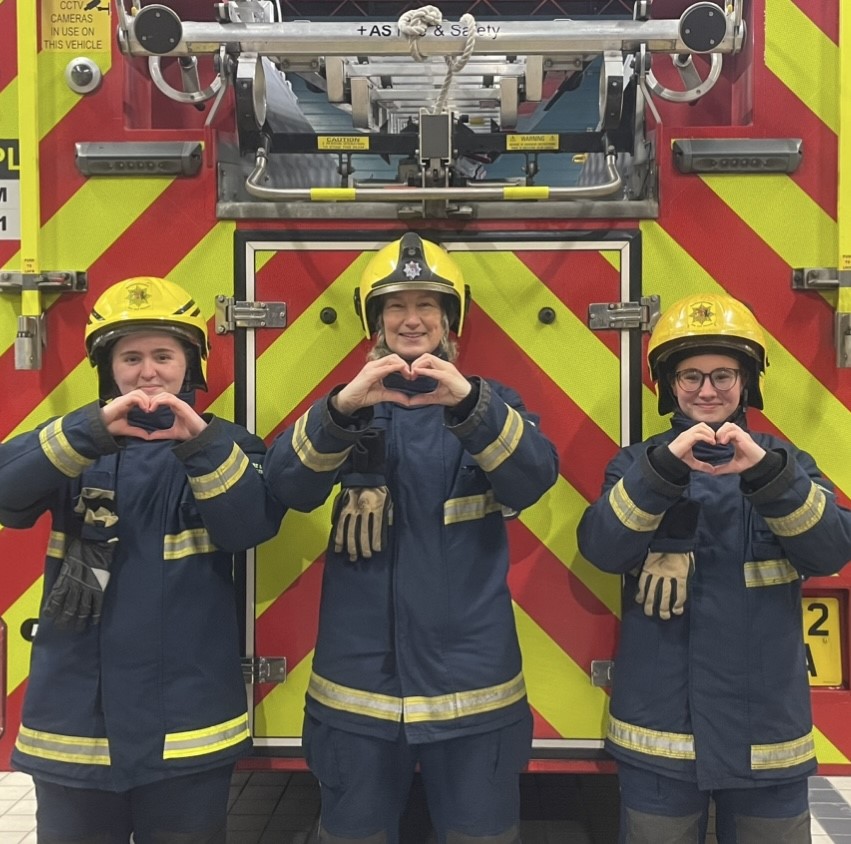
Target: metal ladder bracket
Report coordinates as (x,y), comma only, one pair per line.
(264,669)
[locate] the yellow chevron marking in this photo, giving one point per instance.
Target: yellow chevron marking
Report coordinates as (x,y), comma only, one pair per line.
(793,397)
(557,348)
(308,350)
(55,99)
(756,200)
(827,752)
(25,607)
(553,521)
(804,59)
(281,712)
(281,561)
(82,230)
(552,678)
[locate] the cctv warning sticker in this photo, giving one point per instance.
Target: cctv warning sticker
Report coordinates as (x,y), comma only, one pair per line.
(74,26)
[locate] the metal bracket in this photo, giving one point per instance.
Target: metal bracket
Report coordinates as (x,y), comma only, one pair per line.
(815,278)
(231,314)
(620,316)
(31,335)
(602,671)
(264,669)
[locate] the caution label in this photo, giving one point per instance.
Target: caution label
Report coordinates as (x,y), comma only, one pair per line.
(529,142)
(72,26)
(10,190)
(342,142)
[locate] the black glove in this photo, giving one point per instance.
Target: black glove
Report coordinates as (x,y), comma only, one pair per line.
(76,598)
(362,517)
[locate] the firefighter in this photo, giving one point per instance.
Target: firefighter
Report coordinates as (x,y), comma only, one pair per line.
(713,527)
(135,712)
(417,658)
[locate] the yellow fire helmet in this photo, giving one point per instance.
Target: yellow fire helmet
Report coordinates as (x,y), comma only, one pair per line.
(411,263)
(146,303)
(706,323)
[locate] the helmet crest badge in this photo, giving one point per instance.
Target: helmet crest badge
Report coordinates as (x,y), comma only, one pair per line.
(702,315)
(138,296)
(413,269)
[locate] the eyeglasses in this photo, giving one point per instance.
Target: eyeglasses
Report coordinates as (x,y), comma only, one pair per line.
(724,378)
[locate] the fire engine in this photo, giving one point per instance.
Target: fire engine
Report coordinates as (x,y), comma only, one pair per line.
(585,163)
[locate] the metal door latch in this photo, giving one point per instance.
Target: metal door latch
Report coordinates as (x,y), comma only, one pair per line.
(620,316)
(264,669)
(232,314)
(602,671)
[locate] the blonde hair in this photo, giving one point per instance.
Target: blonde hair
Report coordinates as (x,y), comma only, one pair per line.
(446,348)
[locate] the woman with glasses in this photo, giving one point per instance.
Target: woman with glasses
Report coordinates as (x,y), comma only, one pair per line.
(713,527)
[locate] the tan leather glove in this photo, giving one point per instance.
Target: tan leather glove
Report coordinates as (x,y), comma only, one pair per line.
(362,516)
(662,582)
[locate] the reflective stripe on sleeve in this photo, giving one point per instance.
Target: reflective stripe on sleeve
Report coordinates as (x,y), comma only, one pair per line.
(651,742)
(494,455)
(318,461)
(80,750)
(783,754)
(802,519)
(206,740)
(628,514)
(223,478)
(60,452)
(770,573)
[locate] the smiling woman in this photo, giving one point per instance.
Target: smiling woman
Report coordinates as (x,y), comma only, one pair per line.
(135,711)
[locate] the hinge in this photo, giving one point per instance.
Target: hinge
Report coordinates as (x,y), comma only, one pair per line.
(602,671)
(264,669)
(815,278)
(620,316)
(232,314)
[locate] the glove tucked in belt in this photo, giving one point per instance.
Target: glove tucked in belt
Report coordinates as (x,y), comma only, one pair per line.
(76,599)
(363,509)
(664,575)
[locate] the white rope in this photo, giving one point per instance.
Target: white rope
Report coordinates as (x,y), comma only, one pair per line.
(415,23)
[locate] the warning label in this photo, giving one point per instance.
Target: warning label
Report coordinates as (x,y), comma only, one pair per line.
(73,26)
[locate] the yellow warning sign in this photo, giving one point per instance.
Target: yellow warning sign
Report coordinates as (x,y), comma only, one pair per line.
(536,142)
(74,26)
(342,142)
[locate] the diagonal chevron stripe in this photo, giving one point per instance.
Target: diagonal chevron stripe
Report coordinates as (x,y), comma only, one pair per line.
(558,688)
(281,561)
(79,233)
(676,274)
(803,57)
(755,199)
(18,654)
(827,752)
(548,521)
(589,383)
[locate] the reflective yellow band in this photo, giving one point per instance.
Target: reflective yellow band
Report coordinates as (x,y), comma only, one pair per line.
(802,519)
(469,508)
(504,445)
(652,742)
(60,452)
(416,709)
(176,546)
(220,481)
(783,754)
(56,545)
(628,514)
(309,456)
(206,740)
(461,704)
(770,573)
(58,748)
(372,705)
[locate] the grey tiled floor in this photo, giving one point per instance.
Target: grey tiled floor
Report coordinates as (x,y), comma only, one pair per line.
(281,808)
